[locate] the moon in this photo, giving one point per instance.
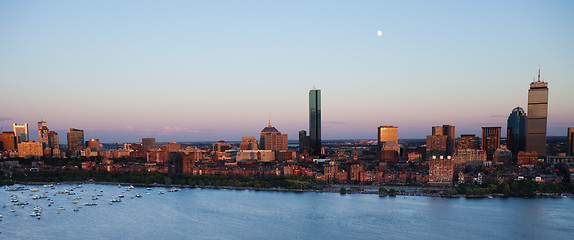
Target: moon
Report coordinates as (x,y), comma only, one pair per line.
(379,33)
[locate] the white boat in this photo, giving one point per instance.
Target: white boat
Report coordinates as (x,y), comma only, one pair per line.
(94,198)
(139,195)
(148,188)
(120,196)
(116,200)
(61,208)
(34,189)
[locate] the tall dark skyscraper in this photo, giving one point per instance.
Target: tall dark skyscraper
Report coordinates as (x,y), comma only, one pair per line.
(571,141)
(516,131)
(75,141)
(315,121)
(490,140)
(537,117)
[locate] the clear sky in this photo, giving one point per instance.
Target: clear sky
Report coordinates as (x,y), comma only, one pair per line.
(211,70)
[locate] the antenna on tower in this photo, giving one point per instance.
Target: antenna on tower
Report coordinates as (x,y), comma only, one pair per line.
(538,72)
(269,119)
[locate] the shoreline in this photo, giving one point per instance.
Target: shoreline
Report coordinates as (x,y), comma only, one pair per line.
(355,189)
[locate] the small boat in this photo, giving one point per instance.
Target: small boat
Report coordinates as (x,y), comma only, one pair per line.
(34,189)
(90,204)
(147,193)
(75,201)
(148,188)
(139,195)
(94,198)
(120,196)
(35,214)
(160,192)
(131,187)
(75,209)
(61,208)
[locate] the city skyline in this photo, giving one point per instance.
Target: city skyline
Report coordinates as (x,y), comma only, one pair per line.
(174,71)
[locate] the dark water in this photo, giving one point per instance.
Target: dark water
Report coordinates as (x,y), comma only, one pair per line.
(234,214)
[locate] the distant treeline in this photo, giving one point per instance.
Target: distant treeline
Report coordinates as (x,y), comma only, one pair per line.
(149,178)
(518,188)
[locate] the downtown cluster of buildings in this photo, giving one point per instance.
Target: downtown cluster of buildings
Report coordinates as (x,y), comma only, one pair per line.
(441,160)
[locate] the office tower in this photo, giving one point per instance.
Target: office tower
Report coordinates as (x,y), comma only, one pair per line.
(148,143)
(315,121)
(440,170)
(571,141)
(516,131)
(388,138)
(436,145)
(536,118)
(93,145)
(272,139)
(248,143)
(303,142)
(469,156)
(467,141)
(448,131)
(53,140)
(75,141)
(8,141)
(173,147)
(43,133)
(490,140)
(21,132)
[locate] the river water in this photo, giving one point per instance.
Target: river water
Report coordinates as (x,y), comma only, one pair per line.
(247,214)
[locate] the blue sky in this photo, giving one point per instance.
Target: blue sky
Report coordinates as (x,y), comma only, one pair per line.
(210,70)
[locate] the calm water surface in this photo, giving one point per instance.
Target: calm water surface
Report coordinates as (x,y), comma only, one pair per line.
(242,214)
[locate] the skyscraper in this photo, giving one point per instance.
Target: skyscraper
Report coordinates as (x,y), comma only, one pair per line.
(537,117)
(315,121)
(449,131)
(303,141)
(53,140)
(75,141)
(490,140)
(272,139)
(148,143)
(21,132)
(43,133)
(516,131)
(388,138)
(571,141)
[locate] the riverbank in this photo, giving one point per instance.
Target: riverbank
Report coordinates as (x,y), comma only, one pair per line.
(422,191)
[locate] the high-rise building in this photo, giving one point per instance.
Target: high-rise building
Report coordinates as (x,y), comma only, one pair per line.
(303,141)
(8,141)
(272,139)
(440,170)
(467,141)
(43,133)
(53,140)
(490,140)
(148,143)
(436,145)
(516,131)
(315,121)
(248,143)
(537,117)
(75,141)
(448,131)
(571,141)
(172,147)
(21,132)
(93,144)
(388,138)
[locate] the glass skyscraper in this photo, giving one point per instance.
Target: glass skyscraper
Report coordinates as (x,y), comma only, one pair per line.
(516,131)
(537,117)
(315,121)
